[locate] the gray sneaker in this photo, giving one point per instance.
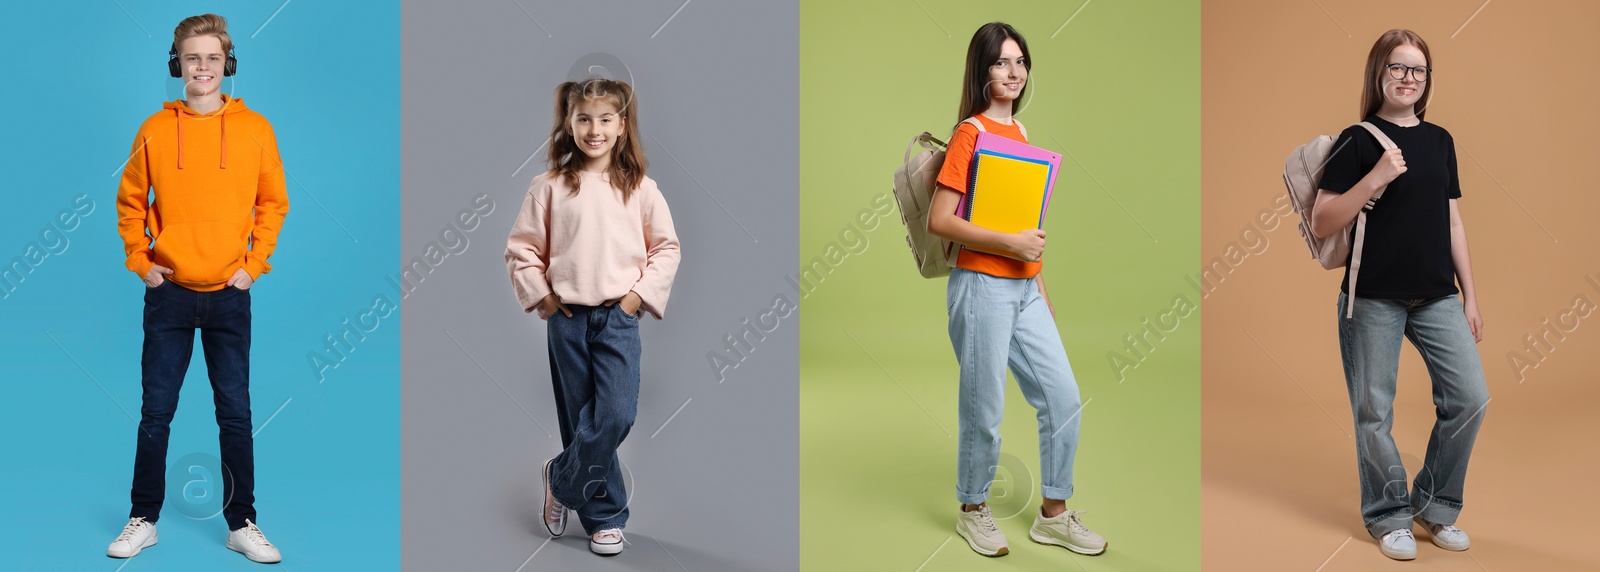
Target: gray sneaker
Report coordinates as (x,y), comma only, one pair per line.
(978,527)
(1445,536)
(1399,544)
(1067,530)
(554,515)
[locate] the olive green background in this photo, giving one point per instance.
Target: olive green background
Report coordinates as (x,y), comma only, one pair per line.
(1117,89)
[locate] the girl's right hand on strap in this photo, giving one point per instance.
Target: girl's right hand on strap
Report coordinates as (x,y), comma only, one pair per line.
(1390,166)
(550,305)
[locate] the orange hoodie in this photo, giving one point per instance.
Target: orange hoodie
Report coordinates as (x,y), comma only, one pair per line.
(219,195)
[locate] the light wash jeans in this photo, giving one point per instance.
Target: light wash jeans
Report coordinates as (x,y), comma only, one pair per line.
(995,322)
(1370,346)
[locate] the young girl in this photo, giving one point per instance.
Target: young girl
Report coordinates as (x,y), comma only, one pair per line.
(593,245)
(999,314)
(1415,253)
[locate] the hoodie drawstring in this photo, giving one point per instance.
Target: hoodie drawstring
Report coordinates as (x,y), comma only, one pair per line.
(223,117)
(179,114)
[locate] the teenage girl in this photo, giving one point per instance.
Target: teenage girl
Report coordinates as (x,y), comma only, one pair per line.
(1415,254)
(592,246)
(1000,314)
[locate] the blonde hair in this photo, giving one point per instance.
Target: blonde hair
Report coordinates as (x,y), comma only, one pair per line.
(202,25)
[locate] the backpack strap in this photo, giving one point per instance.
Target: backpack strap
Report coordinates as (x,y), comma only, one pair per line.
(927,140)
(1023,128)
(1361,224)
(1355,263)
(1383,140)
(1388,145)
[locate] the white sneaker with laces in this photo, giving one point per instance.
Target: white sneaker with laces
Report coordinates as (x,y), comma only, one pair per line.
(555,515)
(137,535)
(606,542)
(250,542)
(978,527)
(1067,530)
(1399,544)
(1445,536)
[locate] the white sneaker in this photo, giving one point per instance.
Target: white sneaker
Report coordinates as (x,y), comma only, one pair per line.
(136,536)
(1399,544)
(250,542)
(555,515)
(1066,530)
(1445,536)
(978,527)
(606,542)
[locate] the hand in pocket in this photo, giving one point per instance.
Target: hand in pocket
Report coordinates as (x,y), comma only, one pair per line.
(156,276)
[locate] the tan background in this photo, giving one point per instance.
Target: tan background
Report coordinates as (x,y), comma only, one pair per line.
(1519,87)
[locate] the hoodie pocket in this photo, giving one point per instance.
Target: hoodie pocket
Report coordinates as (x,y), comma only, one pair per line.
(200,252)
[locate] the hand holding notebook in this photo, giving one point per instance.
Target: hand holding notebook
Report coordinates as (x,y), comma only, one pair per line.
(1009,187)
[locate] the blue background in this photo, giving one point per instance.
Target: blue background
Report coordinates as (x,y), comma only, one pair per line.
(81,78)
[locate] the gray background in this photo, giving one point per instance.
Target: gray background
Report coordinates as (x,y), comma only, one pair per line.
(716,488)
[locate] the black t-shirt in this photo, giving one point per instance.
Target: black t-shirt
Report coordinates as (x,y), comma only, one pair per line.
(1407,249)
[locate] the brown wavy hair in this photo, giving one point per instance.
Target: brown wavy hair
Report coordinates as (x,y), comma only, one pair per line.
(627,155)
(1372,87)
(203,25)
(982,52)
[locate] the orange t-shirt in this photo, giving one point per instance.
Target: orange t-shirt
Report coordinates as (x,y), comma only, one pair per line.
(957,159)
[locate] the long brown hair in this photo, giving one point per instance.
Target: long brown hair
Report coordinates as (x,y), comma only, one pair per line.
(1372,88)
(627,155)
(982,52)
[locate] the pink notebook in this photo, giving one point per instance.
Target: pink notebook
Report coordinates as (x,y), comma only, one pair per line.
(1000,145)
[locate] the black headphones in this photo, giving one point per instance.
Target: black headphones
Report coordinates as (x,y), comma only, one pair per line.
(173,67)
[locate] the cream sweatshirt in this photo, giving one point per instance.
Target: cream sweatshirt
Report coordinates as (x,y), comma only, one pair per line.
(592,247)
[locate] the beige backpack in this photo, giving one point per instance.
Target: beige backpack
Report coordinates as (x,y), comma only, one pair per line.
(914,185)
(1301,174)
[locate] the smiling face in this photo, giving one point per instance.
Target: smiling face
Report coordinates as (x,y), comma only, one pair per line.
(596,125)
(1007,75)
(201,59)
(1402,95)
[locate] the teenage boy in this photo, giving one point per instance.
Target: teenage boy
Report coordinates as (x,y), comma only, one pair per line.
(199,246)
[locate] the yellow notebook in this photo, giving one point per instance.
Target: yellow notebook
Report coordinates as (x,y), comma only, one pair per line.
(1007,194)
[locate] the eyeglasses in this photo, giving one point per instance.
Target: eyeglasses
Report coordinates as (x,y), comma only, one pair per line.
(1399,71)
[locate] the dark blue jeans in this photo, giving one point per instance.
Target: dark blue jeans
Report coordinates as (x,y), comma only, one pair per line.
(171,315)
(594,367)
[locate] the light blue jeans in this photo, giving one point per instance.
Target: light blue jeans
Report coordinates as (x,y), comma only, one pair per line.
(995,322)
(1370,346)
